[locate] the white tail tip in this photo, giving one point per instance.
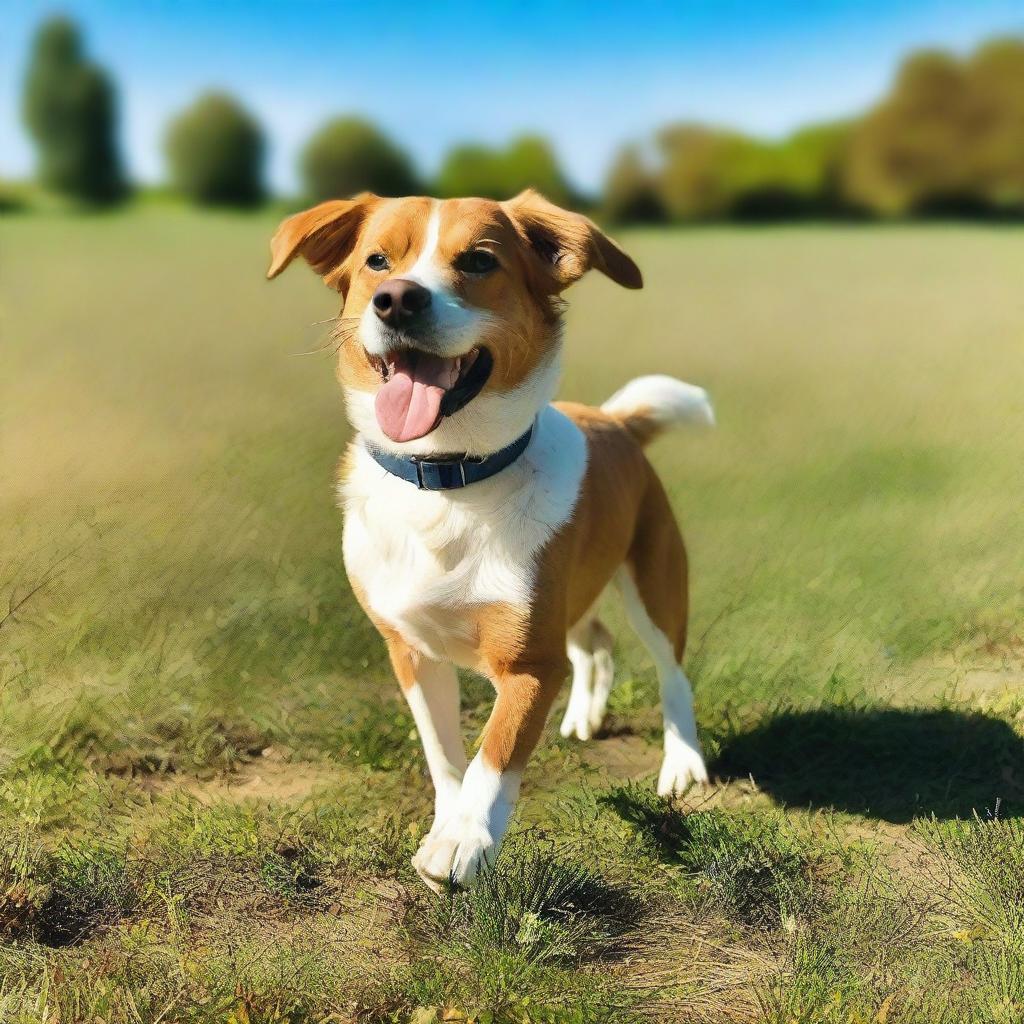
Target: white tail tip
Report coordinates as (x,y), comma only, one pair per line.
(664,400)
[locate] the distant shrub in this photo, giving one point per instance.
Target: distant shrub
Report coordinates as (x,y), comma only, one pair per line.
(14,197)
(708,173)
(527,162)
(694,180)
(796,177)
(350,155)
(70,112)
(216,150)
(472,170)
(530,162)
(630,191)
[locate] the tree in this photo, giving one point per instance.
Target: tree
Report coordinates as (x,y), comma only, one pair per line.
(996,122)
(350,155)
(527,162)
(70,112)
(811,159)
(911,153)
(795,177)
(216,150)
(472,170)
(696,181)
(530,162)
(630,191)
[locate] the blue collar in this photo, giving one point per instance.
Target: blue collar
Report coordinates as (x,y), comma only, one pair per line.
(452,473)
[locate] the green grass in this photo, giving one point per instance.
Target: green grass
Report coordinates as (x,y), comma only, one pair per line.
(752,866)
(210,791)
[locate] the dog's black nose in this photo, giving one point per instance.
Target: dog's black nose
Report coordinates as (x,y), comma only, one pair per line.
(398,301)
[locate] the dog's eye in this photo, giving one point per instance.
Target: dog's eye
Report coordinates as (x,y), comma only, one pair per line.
(476,261)
(377,261)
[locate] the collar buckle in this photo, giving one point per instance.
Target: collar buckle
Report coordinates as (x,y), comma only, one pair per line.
(441,467)
(440,474)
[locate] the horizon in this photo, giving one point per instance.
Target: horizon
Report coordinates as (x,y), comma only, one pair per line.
(764,69)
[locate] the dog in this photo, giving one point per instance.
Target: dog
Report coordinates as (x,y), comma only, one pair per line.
(482,522)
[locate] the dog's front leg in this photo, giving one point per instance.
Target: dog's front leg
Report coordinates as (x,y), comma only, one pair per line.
(431,688)
(470,838)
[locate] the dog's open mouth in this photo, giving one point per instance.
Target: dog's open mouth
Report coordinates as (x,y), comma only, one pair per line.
(419,388)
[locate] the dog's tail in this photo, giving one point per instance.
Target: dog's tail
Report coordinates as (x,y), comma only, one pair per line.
(648,406)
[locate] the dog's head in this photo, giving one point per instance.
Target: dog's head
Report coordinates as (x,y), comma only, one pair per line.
(448,336)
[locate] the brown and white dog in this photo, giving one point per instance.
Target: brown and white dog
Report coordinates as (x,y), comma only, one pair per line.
(482,522)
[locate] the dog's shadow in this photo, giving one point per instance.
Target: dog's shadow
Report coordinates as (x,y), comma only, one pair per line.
(893,764)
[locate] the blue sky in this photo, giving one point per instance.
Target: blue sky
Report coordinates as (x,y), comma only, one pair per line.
(588,75)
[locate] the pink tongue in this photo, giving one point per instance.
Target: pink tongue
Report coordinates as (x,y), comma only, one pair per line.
(408,404)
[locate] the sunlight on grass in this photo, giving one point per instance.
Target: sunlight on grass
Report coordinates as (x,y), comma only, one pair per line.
(211,789)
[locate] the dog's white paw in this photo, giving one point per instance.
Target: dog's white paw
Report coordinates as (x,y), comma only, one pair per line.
(604,675)
(454,853)
(577,721)
(589,697)
(683,767)
(577,715)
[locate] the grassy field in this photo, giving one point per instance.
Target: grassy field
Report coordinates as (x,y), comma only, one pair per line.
(209,792)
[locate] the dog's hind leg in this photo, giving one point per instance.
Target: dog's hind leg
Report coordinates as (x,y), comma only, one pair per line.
(683,763)
(653,587)
(604,674)
(589,646)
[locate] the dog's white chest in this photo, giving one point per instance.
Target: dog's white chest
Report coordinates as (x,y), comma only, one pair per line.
(425,561)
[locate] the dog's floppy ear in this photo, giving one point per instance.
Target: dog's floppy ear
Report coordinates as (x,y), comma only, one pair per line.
(569,244)
(323,235)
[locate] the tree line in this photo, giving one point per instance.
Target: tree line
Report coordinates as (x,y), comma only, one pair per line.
(947,139)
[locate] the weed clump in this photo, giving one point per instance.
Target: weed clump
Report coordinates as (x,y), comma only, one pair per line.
(754,866)
(982,872)
(520,942)
(88,889)
(62,897)
(984,860)
(539,907)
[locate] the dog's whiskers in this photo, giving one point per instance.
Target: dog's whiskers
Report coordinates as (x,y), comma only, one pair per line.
(341,332)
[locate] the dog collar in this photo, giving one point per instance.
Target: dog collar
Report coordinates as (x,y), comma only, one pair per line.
(452,473)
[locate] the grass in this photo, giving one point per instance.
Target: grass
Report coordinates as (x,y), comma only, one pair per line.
(209,790)
(752,866)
